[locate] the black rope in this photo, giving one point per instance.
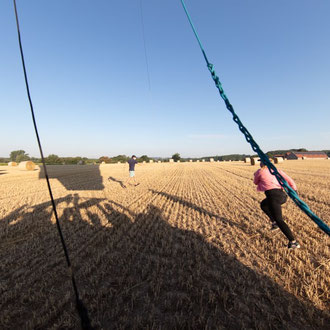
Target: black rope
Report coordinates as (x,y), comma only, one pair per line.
(144,44)
(82,311)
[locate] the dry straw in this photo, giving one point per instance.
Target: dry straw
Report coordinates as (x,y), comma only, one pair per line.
(27,166)
(12,164)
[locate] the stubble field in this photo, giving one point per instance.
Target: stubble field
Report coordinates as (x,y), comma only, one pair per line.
(188,248)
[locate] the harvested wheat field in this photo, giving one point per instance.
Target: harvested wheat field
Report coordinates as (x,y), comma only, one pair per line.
(189,248)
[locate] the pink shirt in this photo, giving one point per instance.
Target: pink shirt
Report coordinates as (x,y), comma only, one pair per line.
(266,181)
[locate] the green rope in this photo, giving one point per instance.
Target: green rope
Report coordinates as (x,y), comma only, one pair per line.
(263,157)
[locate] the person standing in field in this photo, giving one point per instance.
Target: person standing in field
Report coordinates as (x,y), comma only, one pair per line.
(131,163)
(275,197)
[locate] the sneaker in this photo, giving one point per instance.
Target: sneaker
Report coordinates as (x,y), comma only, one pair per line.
(293,245)
(274,226)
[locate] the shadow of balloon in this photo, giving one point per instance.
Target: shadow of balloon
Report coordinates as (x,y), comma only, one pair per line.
(75,177)
(133,270)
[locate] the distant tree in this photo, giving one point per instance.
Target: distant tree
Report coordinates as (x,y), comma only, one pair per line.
(72,160)
(144,158)
(35,160)
(4,160)
(19,156)
(176,157)
(120,158)
(53,160)
(105,159)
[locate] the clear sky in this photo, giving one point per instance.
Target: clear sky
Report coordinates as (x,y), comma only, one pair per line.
(89,80)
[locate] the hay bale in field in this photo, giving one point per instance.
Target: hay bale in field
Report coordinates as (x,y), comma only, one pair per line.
(211,160)
(247,160)
(27,166)
(144,162)
(190,160)
(171,160)
(159,161)
(197,161)
(12,164)
(102,163)
(278,160)
(255,161)
(151,161)
(203,160)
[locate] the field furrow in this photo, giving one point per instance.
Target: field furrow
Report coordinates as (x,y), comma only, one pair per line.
(188,248)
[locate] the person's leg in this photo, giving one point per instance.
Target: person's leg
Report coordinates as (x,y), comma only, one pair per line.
(276,197)
(129,179)
(265,207)
(134,180)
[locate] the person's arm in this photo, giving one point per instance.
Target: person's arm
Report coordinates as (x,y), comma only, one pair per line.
(289,180)
(256,178)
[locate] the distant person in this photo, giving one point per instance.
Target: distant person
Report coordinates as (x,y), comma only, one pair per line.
(132,162)
(275,197)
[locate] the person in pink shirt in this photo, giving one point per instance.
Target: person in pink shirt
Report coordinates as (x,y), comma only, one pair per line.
(275,197)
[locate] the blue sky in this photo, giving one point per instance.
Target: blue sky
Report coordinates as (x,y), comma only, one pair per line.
(89,82)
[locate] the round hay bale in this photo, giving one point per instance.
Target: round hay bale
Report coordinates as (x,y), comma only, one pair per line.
(27,166)
(278,160)
(12,164)
(255,161)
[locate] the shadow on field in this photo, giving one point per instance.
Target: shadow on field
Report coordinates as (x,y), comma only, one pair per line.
(133,271)
(197,208)
(75,177)
(110,178)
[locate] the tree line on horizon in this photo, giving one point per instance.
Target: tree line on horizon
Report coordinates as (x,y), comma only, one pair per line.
(52,159)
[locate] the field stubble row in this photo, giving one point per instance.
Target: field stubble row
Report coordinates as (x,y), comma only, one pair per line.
(188,247)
